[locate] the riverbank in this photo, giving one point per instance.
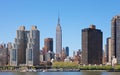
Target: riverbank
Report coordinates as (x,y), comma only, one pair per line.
(58,70)
(58,67)
(43,70)
(61,73)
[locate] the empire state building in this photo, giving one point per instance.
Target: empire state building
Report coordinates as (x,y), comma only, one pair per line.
(58,39)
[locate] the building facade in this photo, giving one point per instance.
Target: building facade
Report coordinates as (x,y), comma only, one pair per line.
(105,54)
(18,52)
(3,56)
(91,45)
(9,47)
(67,51)
(48,44)
(109,52)
(48,49)
(25,50)
(115,37)
(33,46)
(58,39)
(77,56)
(49,56)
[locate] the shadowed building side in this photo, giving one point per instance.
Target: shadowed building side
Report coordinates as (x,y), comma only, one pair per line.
(48,44)
(91,46)
(115,37)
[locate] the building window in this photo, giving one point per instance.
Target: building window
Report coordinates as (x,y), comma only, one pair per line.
(30,55)
(14,55)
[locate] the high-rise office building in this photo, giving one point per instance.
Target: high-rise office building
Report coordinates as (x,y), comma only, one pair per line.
(108,50)
(32,51)
(91,45)
(48,49)
(48,44)
(26,47)
(67,51)
(115,37)
(18,52)
(58,39)
(9,47)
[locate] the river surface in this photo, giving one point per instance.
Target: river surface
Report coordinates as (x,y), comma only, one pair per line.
(61,73)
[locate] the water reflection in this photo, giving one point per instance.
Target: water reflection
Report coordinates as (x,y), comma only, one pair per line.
(91,73)
(61,73)
(25,73)
(113,73)
(99,73)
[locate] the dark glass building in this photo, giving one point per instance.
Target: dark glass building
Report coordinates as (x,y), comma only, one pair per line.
(67,51)
(91,45)
(108,50)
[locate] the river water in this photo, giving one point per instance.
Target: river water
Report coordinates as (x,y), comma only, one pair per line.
(61,73)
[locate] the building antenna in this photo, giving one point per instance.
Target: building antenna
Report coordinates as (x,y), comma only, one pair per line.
(58,18)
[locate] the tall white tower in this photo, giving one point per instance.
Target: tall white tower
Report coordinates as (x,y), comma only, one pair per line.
(58,39)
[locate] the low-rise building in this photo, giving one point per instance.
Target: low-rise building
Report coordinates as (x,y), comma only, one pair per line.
(3,56)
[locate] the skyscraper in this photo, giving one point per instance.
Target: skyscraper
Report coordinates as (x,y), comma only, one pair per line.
(32,50)
(108,51)
(48,49)
(91,45)
(26,47)
(67,51)
(115,37)
(58,39)
(48,44)
(18,52)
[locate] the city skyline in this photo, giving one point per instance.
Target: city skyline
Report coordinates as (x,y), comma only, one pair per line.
(74,15)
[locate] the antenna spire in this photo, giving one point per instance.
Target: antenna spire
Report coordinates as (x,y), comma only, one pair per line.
(58,19)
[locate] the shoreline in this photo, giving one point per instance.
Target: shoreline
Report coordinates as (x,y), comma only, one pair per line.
(57,70)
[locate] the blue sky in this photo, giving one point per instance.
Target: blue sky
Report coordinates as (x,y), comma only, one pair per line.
(74,16)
